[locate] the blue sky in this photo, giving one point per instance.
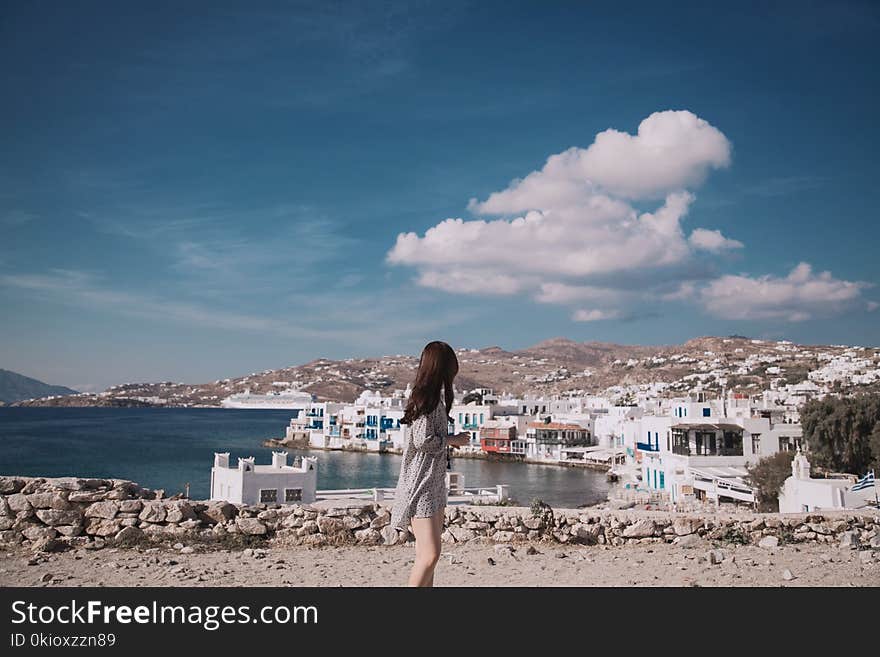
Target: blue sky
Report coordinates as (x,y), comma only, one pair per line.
(190,191)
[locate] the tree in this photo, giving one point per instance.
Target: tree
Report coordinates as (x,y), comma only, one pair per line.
(472,397)
(767,477)
(843,433)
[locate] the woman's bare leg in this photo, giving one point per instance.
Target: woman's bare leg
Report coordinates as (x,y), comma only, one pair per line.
(427,532)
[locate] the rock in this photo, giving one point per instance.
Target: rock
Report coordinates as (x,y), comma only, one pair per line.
(128,536)
(218,512)
(330,526)
(130,506)
(506,550)
(866,556)
(18,503)
(768,542)
(620,505)
(48,501)
(685,526)
(152,512)
(587,533)
(715,557)
(35,532)
(85,497)
(787,575)
(368,536)
(640,529)
(849,539)
(381,520)
(502,537)
(389,535)
(54,517)
(533,523)
(875,542)
(106,510)
(352,522)
(531,550)
(308,527)
(179,510)
(47,544)
(69,530)
(46,578)
(11,485)
(102,527)
(251,526)
(186,550)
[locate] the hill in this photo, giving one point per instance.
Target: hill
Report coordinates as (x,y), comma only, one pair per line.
(15,387)
(551,367)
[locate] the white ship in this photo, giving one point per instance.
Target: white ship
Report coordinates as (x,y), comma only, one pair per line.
(285,399)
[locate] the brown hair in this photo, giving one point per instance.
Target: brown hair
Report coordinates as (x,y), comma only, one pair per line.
(437,369)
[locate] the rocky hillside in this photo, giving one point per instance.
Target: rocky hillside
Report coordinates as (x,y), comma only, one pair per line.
(553,366)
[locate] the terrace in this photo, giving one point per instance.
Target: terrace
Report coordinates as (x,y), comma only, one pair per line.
(707,439)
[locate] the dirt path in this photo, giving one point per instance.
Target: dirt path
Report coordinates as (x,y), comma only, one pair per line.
(466,564)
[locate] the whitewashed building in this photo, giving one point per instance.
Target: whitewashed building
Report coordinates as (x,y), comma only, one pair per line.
(800,493)
(277,483)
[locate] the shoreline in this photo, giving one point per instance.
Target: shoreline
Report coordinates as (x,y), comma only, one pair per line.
(305,446)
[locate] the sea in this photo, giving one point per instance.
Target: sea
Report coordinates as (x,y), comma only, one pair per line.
(169,448)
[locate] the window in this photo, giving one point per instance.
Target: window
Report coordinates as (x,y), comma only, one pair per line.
(293,494)
(784,444)
(756,443)
(268,495)
(707,412)
(662,480)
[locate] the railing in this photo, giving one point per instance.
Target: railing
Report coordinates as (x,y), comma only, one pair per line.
(647,447)
(681,450)
(478,493)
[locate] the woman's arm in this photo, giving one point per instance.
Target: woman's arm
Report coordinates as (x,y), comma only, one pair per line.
(428,435)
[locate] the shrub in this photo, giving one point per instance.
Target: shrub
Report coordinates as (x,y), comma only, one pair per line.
(767,477)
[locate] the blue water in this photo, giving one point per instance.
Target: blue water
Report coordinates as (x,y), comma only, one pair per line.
(168,447)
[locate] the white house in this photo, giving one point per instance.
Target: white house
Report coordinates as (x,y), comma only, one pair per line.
(702,448)
(800,493)
(278,483)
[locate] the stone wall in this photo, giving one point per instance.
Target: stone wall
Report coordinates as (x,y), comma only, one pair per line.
(52,514)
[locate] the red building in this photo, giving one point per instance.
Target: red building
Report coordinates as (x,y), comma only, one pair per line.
(496,437)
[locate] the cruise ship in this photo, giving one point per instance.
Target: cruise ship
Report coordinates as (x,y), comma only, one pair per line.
(292,399)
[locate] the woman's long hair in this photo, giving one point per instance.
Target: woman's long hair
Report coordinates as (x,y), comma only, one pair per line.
(437,369)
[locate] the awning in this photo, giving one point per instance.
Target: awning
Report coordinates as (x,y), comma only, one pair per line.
(720,472)
(722,426)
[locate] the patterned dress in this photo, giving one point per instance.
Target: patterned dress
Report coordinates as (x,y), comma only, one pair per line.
(421,488)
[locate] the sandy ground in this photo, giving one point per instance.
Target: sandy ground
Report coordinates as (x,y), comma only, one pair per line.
(466,564)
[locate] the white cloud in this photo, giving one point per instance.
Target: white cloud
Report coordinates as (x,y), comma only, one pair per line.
(574,235)
(799,296)
(673,150)
(594,315)
(570,234)
(712,240)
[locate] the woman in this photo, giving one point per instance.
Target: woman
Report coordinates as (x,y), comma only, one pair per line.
(420,500)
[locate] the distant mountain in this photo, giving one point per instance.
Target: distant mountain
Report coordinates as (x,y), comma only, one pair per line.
(15,387)
(554,366)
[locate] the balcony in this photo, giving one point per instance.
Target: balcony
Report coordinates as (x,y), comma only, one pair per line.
(647,447)
(681,450)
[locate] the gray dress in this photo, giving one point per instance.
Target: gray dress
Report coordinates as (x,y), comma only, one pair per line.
(421,488)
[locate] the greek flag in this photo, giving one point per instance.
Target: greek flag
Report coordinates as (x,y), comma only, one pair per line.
(865,482)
